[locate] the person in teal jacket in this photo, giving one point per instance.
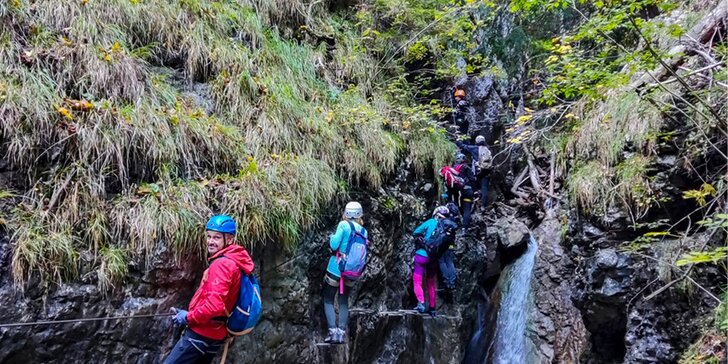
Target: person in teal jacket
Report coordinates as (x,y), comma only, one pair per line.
(352,213)
(425,269)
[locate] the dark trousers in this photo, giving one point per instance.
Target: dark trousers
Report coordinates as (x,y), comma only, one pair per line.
(447,270)
(193,349)
(461,122)
(466,205)
(484,182)
(329,294)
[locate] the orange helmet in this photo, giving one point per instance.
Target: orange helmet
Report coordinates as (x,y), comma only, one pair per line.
(460,93)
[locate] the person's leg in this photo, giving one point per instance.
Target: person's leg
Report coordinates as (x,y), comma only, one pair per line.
(431,273)
(329,294)
(193,349)
(447,268)
(344,308)
(417,274)
(484,182)
(467,206)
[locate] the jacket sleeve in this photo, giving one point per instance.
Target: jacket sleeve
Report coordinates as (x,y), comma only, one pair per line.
(470,149)
(420,230)
(342,231)
(220,277)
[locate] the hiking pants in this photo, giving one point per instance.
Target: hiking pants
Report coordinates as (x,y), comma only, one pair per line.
(461,122)
(484,182)
(447,270)
(424,270)
(329,295)
(453,194)
(467,205)
(193,349)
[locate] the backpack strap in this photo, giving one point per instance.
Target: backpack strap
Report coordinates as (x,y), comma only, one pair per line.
(351,237)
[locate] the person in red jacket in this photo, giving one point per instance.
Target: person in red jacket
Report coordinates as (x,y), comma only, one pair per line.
(215,298)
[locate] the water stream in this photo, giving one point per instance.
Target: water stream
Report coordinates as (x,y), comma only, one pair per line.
(510,333)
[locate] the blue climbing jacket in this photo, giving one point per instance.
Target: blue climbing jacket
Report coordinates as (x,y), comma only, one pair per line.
(338,242)
(425,229)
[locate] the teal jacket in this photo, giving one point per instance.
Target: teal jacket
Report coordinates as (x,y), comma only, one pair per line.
(338,242)
(425,229)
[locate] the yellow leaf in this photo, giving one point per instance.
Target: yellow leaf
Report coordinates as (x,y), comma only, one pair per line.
(65,112)
(552,59)
(523,118)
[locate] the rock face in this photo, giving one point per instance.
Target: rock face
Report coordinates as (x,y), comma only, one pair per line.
(511,233)
(131,341)
(291,282)
(556,327)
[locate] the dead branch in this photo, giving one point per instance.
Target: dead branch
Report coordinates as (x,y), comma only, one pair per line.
(700,32)
(57,193)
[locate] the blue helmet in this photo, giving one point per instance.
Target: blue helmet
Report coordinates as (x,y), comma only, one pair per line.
(222,224)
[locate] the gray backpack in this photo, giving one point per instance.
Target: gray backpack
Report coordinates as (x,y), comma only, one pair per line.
(485,159)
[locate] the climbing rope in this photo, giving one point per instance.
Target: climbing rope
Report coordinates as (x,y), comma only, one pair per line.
(51,322)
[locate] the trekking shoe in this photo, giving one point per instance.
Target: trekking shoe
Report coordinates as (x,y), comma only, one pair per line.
(340,336)
(433,312)
(420,308)
(333,335)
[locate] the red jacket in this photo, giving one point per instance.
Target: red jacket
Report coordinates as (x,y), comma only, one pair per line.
(218,292)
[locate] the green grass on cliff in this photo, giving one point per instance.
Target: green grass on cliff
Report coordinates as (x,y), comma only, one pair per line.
(130,122)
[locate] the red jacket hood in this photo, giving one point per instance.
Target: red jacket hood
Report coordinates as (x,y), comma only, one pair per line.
(238,254)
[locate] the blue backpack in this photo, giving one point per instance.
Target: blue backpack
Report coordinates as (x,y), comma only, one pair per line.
(354,260)
(248,307)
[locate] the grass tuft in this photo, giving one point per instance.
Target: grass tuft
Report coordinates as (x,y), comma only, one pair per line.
(113,268)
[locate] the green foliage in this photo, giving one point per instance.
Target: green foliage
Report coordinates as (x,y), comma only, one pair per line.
(717,255)
(705,191)
(113,268)
(589,184)
(280,126)
(721,313)
(48,250)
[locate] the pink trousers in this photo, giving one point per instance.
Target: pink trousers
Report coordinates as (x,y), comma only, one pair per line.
(425,271)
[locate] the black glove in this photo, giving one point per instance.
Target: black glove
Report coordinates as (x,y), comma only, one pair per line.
(420,241)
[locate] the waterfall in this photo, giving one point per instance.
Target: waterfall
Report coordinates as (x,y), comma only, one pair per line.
(510,332)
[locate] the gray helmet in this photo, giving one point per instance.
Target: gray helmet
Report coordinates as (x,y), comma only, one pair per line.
(353,210)
(459,158)
(479,139)
(441,211)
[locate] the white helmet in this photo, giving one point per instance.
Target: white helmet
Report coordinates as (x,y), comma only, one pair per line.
(353,210)
(443,211)
(479,139)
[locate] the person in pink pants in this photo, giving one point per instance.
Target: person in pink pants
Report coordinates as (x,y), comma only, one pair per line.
(424,269)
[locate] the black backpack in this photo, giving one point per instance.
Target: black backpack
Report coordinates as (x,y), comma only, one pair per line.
(441,238)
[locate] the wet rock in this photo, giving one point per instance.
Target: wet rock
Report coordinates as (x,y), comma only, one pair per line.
(511,233)
(646,339)
(557,331)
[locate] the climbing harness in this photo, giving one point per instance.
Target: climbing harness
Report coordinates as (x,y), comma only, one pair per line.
(52,322)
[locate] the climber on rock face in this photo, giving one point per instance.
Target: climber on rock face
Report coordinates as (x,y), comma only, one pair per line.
(216,296)
(430,240)
(466,193)
(460,111)
(350,230)
(482,164)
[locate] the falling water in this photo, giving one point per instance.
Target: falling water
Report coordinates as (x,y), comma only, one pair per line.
(510,333)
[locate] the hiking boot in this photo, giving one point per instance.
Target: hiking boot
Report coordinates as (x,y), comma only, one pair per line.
(420,308)
(333,335)
(340,336)
(433,312)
